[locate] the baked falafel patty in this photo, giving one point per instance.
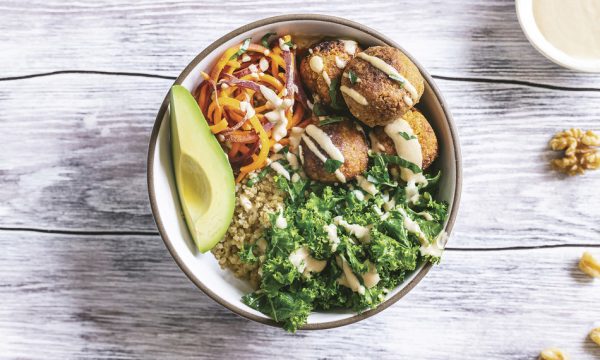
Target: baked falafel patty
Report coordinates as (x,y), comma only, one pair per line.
(380,85)
(324,63)
(348,138)
(381,142)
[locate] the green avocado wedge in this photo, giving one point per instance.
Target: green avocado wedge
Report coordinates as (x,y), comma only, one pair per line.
(203,174)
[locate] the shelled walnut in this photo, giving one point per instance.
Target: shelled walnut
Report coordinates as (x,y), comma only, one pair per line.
(553,354)
(595,335)
(589,265)
(580,151)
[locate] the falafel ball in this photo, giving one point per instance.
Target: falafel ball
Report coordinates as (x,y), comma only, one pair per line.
(324,63)
(348,137)
(381,142)
(371,95)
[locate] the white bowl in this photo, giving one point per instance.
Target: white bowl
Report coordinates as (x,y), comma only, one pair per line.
(203,269)
(546,48)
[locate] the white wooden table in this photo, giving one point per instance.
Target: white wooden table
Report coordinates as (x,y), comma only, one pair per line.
(84,274)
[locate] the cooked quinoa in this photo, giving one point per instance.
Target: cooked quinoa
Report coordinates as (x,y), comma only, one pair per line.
(253,205)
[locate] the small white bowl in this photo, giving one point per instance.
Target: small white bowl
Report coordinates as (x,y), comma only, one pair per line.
(203,269)
(546,48)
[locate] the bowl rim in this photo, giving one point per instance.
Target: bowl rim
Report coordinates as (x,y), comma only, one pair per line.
(158,122)
(538,41)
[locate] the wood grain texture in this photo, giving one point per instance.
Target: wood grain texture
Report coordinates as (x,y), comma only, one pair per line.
(72,160)
(459,38)
(124,297)
(81,165)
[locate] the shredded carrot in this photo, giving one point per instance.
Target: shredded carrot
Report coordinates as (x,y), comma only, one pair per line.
(248,142)
(220,126)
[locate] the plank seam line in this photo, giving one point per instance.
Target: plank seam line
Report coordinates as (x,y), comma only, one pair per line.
(438,77)
(79,232)
(513,82)
(94,72)
(152,233)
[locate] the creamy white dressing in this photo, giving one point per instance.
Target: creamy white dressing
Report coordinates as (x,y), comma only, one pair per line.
(247,109)
(324,142)
(354,95)
(277,115)
(350,46)
(281,222)
(280,170)
(436,248)
(253,68)
(301,154)
(427,216)
(332,236)
(326,78)
(246,58)
(283,45)
(305,263)
(292,160)
(407,100)
(376,145)
(340,63)
(359,195)
(409,150)
(389,205)
(362,233)
(572,26)
(413,227)
(366,185)
(311,145)
(316,64)
(263,64)
(390,70)
(277,147)
(245,202)
(348,279)
(295,178)
(295,137)
(371,277)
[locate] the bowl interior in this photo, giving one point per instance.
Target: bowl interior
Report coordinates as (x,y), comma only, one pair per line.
(203,269)
(546,48)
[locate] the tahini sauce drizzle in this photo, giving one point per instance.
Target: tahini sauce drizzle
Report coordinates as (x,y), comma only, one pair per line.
(305,263)
(409,150)
(355,95)
(390,70)
(313,147)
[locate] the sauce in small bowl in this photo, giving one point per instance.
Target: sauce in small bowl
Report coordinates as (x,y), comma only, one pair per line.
(566,32)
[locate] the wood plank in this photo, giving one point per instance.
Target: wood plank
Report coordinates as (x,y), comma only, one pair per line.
(466,38)
(123,297)
(80,164)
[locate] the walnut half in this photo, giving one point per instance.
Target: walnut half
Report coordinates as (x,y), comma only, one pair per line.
(589,265)
(553,354)
(580,151)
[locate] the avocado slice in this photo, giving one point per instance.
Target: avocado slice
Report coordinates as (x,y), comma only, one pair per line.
(203,174)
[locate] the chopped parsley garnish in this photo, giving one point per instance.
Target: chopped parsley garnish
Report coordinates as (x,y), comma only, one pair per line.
(406,136)
(258,177)
(332,165)
(353,77)
(333,94)
(265,39)
(398,79)
(242,49)
(331,119)
(396,160)
(318,109)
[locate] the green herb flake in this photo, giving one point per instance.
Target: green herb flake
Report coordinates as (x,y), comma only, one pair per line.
(265,39)
(252,181)
(406,136)
(333,94)
(396,160)
(332,165)
(318,109)
(353,77)
(398,79)
(242,49)
(331,120)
